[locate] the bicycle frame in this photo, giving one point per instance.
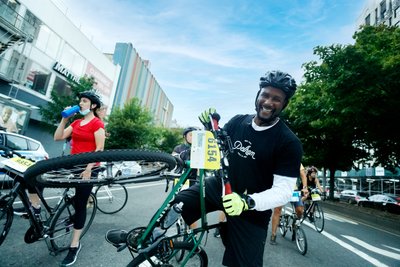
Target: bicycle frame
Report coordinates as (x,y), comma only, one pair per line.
(195,235)
(19,189)
(39,229)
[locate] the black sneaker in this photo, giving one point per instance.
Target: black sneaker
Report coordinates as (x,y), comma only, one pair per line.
(72,256)
(216,233)
(273,240)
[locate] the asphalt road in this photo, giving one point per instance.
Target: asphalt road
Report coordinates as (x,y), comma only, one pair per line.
(346,240)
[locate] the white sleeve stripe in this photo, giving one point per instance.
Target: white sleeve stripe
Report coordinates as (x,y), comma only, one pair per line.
(278,195)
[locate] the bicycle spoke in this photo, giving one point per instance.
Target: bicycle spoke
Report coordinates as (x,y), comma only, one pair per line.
(301,240)
(122,166)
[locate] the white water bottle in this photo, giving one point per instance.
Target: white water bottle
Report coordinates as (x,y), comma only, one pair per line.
(173,215)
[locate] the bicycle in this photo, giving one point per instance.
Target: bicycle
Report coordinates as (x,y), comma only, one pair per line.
(289,221)
(57,224)
(112,197)
(152,245)
(314,211)
(58,172)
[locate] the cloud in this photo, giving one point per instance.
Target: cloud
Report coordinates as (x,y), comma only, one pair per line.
(212,53)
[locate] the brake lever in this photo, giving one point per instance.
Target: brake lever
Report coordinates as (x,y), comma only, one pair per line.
(167,185)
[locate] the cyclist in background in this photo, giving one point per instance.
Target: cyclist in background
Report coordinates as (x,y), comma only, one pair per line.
(87,135)
(312,183)
(299,206)
(183,150)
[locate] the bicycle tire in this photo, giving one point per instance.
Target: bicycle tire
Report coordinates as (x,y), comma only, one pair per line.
(301,240)
(199,259)
(111,198)
(61,226)
(283,223)
(65,171)
(319,219)
(6,219)
(181,227)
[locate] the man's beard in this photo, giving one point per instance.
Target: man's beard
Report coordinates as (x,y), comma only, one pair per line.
(268,120)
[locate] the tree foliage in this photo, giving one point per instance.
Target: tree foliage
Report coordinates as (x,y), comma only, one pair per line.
(346,109)
(51,113)
(133,127)
(129,127)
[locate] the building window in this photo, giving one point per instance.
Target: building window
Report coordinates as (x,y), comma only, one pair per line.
(38,78)
(383,9)
(48,41)
(72,60)
(61,87)
(368,20)
(30,24)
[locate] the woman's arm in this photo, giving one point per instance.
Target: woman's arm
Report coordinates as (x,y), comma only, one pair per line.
(318,185)
(61,132)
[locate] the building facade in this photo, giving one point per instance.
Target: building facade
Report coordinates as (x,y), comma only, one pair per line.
(137,81)
(380,11)
(40,48)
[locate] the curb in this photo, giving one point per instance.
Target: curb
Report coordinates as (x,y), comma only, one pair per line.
(379,219)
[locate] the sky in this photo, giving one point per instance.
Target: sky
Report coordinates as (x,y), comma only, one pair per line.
(212,53)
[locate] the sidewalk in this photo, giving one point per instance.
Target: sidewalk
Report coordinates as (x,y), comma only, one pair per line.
(379,219)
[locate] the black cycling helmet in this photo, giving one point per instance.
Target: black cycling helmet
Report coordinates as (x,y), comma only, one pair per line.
(280,80)
(311,169)
(92,96)
(188,130)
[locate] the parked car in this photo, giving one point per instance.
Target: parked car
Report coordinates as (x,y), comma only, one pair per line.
(26,146)
(385,198)
(353,196)
(336,192)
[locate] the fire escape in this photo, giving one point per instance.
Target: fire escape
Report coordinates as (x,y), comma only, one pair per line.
(15,30)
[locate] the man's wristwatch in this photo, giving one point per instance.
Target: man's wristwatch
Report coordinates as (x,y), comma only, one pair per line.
(250,202)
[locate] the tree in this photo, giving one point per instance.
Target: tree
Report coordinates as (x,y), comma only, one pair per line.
(130,127)
(167,139)
(51,113)
(348,104)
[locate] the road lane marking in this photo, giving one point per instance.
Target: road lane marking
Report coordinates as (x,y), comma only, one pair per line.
(363,255)
(349,247)
(396,249)
(373,248)
(336,218)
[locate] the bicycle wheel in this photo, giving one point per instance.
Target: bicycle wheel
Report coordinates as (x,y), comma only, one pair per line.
(301,240)
(62,224)
(111,198)
(6,218)
(319,220)
(181,227)
(129,164)
(154,258)
(283,223)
